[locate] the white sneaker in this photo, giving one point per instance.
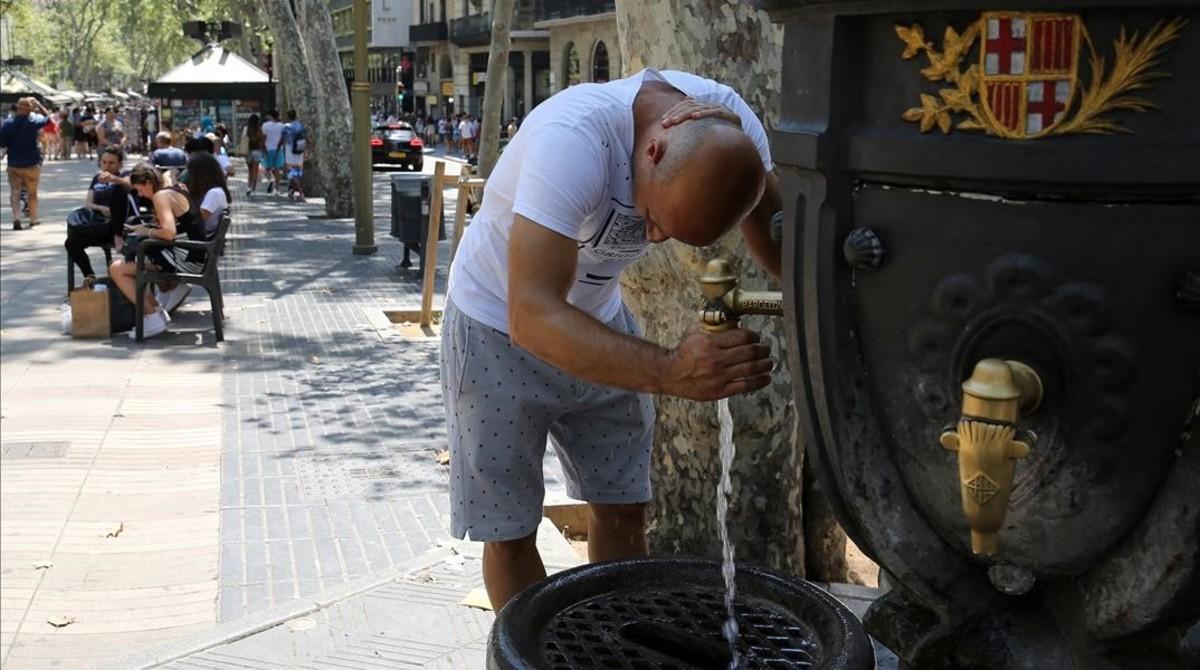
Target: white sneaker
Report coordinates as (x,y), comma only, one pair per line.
(171,300)
(152,324)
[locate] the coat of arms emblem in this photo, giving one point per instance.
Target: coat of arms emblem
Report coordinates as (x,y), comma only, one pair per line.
(1024,83)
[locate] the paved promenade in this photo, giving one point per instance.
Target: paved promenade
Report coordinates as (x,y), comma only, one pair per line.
(111,465)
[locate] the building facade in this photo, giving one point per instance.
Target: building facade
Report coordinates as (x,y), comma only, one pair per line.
(439,65)
(390,55)
(583,41)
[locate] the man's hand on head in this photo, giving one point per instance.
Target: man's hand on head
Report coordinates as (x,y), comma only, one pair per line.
(691,108)
(711,366)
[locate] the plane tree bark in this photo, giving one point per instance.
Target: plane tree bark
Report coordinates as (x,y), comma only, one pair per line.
(738,45)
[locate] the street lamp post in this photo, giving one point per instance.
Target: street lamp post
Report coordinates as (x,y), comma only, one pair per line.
(360,89)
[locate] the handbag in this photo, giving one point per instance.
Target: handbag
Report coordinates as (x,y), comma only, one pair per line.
(84,216)
(89,313)
(243,147)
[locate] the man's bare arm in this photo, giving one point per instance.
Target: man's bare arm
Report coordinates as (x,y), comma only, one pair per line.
(756,228)
(541,321)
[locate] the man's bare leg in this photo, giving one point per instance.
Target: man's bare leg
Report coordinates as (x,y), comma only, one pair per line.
(616,531)
(510,566)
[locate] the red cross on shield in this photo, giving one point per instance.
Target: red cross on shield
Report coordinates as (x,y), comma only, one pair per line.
(1028,68)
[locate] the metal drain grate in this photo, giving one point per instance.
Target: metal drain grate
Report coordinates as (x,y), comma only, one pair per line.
(677,629)
(33,450)
(376,475)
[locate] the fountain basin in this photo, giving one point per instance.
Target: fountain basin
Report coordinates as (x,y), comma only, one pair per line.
(666,613)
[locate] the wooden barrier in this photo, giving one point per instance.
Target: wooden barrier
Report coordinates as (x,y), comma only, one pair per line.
(431,240)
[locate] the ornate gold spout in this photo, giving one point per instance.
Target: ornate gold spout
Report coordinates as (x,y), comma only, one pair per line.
(992,398)
(725,303)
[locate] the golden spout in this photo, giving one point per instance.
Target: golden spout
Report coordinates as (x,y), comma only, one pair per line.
(725,303)
(992,399)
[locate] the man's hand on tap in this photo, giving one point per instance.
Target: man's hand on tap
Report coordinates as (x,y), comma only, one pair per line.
(710,366)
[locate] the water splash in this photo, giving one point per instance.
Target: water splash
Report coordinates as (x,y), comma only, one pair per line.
(724,489)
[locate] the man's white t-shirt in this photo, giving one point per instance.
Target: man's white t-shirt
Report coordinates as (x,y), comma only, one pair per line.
(466,129)
(216,203)
(272,132)
(569,169)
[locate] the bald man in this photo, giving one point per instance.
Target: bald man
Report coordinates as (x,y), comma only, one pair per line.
(536,340)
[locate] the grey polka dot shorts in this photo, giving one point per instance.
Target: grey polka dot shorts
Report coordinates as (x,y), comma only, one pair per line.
(502,402)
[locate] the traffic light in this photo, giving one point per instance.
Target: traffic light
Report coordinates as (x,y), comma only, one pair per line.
(400,91)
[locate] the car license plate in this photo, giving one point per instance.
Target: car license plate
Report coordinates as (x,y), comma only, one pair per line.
(396,154)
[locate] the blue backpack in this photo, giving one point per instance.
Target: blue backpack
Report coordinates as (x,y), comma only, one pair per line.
(299,139)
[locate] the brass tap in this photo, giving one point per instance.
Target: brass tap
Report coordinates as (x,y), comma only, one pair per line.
(725,303)
(992,399)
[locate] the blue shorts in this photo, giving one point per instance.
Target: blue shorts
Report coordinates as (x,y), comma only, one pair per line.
(273,159)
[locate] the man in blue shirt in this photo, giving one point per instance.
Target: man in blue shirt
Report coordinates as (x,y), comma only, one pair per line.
(19,136)
(165,155)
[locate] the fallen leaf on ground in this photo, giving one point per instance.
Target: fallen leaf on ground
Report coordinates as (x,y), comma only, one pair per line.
(115,529)
(119,415)
(443,457)
(42,565)
(478,598)
(423,577)
(60,621)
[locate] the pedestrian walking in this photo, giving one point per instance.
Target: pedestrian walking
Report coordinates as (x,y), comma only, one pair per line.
(111,131)
(443,131)
(296,143)
(48,137)
(534,316)
(19,138)
(80,134)
(66,134)
(89,126)
(273,158)
(255,145)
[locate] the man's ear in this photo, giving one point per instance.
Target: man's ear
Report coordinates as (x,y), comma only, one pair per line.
(656,148)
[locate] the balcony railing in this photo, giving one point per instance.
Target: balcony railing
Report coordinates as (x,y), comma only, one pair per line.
(550,10)
(428,32)
(473,30)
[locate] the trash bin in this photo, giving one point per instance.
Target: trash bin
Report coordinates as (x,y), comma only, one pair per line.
(410,213)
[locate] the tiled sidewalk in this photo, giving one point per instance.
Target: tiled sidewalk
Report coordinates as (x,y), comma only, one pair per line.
(97,435)
(333,421)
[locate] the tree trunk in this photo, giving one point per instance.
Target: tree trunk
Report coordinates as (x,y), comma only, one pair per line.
(824,539)
(291,63)
(738,45)
(334,147)
(493,92)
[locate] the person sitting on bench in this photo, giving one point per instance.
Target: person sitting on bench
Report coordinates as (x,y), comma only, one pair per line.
(209,195)
(108,205)
(175,215)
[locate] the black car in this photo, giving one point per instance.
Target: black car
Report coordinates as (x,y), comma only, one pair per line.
(397,144)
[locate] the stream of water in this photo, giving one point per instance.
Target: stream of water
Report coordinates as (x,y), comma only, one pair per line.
(724,489)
